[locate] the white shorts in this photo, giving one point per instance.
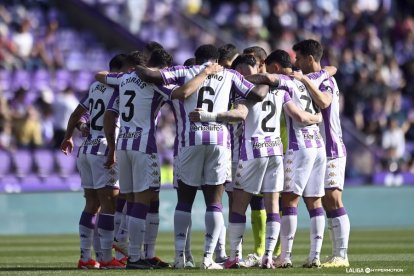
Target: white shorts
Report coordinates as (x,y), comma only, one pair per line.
(203,165)
(335,173)
(305,172)
(138,171)
(93,173)
(230,182)
(260,175)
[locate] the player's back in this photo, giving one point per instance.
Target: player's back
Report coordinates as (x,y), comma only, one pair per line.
(262,126)
(331,125)
(96,102)
(213,96)
(300,136)
(139,104)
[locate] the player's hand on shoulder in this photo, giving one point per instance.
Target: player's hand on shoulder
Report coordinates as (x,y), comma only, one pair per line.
(298,75)
(67,146)
(213,68)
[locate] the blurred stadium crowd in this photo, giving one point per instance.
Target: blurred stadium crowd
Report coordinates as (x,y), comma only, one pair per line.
(46,65)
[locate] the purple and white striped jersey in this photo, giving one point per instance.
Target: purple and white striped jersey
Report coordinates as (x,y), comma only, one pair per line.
(331,126)
(96,102)
(213,95)
(177,108)
(137,104)
(261,135)
(300,136)
(236,138)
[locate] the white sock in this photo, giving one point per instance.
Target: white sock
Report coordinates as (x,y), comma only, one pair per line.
(220,249)
(97,242)
(151,233)
(317,228)
(272,233)
(288,231)
(136,230)
(214,221)
(331,235)
(106,235)
(341,228)
(85,236)
(237,225)
(181,222)
(188,242)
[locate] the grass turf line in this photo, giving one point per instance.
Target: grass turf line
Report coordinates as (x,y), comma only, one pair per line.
(58,254)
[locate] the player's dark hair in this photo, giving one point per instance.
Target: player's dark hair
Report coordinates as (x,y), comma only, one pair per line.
(135,58)
(189,62)
(244,59)
(117,62)
(207,52)
(160,59)
(309,47)
(152,46)
(257,51)
(281,57)
(227,52)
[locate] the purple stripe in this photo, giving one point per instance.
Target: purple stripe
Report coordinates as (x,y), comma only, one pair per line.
(336,213)
(139,210)
(106,222)
(184,207)
(315,75)
(273,217)
(113,98)
(330,145)
(217,207)
(220,136)
(87,220)
(137,141)
(289,211)
(270,150)
(293,142)
(236,218)
(120,203)
(192,136)
(95,149)
(256,152)
(317,136)
(316,212)
(157,101)
(129,208)
(308,142)
(257,203)
(243,153)
(124,142)
(154,207)
(183,120)
(205,140)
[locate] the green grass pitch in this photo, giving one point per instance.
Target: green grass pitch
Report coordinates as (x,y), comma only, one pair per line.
(58,255)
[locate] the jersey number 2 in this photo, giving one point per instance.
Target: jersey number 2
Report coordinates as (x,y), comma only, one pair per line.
(269,116)
(100,106)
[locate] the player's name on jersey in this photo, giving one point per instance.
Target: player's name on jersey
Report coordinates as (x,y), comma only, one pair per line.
(130,135)
(217,77)
(206,127)
(100,87)
(135,80)
(92,142)
(267,144)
